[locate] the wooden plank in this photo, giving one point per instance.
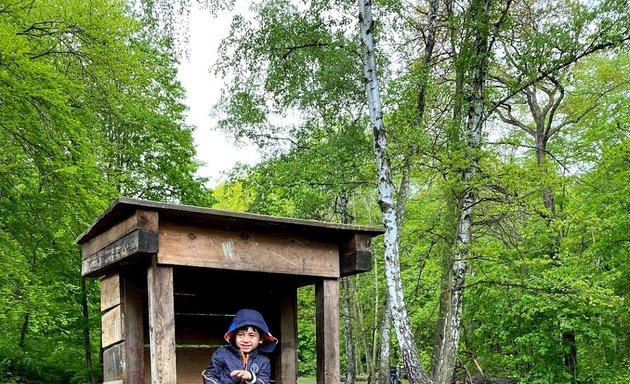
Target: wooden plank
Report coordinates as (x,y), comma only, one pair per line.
(190,363)
(286,364)
(201,329)
(161,324)
(123,207)
(327,331)
(134,327)
(135,244)
(110,291)
(114,362)
(112,328)
(141,219)
(356,256)
(247,251)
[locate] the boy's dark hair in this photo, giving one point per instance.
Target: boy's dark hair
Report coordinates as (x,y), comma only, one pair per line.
(252,318)
(244,328)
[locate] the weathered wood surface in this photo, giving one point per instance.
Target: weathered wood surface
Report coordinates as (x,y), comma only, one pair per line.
(110,291)
(135,244)
(112,328)
(356,256)
(132,292)
(327,331)
(161,324)
(246,251)
(140,219)
(114,360)
(123,207)
(286,365)
(190,363)
(122,328)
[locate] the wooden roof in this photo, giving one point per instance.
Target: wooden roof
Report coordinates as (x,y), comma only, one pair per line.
(124,207)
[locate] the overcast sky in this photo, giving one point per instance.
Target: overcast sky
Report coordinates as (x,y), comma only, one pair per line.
(203,90)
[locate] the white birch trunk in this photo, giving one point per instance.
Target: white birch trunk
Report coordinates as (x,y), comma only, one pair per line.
(351,369)
(408,350)
(445,353)
(384,375)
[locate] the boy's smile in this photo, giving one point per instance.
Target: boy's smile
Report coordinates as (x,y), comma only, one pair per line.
(247,340)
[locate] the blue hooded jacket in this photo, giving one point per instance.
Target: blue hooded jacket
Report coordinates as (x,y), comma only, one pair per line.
(229,358)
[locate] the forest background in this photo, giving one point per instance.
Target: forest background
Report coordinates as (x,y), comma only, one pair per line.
(489,138)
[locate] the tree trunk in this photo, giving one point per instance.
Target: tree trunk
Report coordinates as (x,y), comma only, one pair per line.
(350,358)
(23,330)
(86,331)
(408,350)
(451,303)
(384,375)
(367,348)
(351,369)
(543,114)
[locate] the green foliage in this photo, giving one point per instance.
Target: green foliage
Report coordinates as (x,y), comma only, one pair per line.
(545,284)
(307,351)
(90,110)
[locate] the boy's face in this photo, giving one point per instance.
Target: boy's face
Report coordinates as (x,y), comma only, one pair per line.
(247,339)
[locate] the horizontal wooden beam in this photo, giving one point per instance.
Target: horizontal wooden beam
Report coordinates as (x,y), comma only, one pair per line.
(140,219)
(135,244)
(356,256)
(246,251)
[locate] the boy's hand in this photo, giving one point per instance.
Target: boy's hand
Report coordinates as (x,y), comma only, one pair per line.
(241,374)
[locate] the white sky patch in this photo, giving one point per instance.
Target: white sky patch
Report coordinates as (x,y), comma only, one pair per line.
(218,151)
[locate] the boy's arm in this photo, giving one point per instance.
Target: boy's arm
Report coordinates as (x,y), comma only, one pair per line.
(261,376)
(212,374)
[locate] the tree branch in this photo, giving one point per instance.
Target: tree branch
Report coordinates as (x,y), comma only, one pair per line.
(567,62)
(553,291)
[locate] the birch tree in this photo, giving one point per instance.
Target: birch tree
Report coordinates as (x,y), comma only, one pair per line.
(410,356)
(538,108)
(289,74)
(475,52)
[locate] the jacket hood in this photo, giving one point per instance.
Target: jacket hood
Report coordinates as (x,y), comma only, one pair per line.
(246,317)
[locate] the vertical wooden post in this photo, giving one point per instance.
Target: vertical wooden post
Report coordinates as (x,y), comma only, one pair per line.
(122,329)
(327,331)
(286,365)
(112,338)
(134,327)
(161,324)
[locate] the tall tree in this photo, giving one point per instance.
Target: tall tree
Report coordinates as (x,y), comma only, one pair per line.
(303,58)
(409,351)
(90,109)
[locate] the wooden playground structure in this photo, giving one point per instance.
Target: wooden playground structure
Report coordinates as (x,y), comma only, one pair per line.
(172,276)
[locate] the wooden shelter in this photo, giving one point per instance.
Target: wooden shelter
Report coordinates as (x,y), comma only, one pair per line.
(172,277)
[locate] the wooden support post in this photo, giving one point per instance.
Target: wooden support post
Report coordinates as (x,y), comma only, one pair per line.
(286,365)
(122,329)
(356,256)
(134,327)
(112,339)
(327,331)
(161,324)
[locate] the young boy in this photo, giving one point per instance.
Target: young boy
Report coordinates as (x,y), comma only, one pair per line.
(242,361)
